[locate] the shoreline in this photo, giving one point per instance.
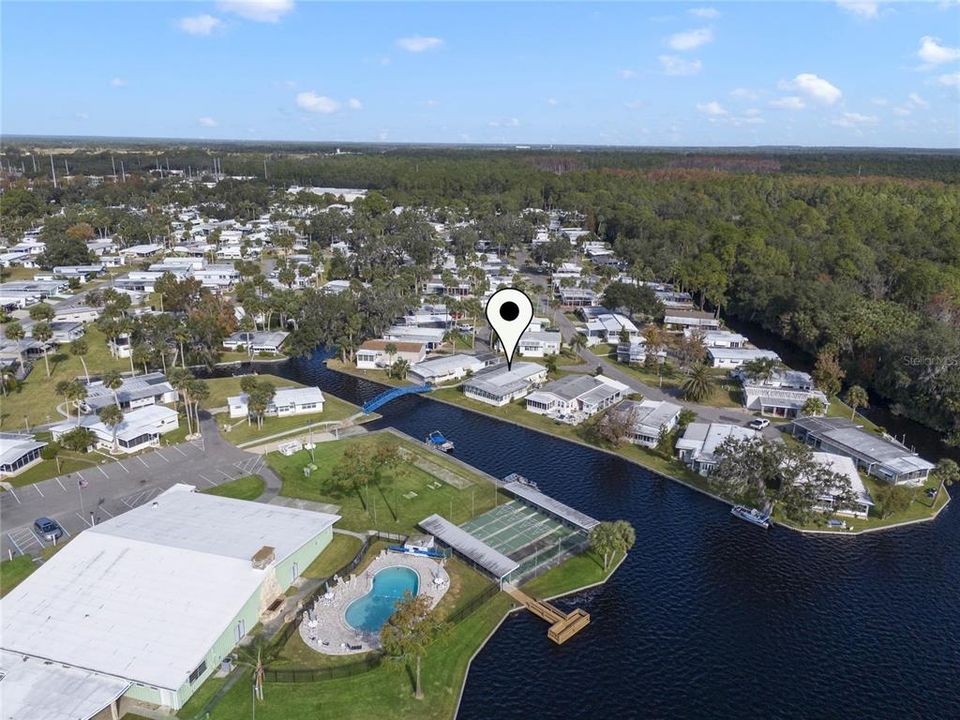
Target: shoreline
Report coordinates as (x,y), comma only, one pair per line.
(520,608)
(780,523)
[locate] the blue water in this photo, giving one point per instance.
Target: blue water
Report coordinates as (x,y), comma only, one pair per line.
(709,617)
(370,612)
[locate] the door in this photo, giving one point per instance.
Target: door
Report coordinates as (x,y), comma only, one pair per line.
(294,572)
(241,629)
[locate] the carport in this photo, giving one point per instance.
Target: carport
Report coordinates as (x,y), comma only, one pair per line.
(37,688)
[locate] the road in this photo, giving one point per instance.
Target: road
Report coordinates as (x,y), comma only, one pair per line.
(115,487)
(705,413)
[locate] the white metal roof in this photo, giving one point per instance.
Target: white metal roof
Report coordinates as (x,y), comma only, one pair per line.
(144,596)
(32,688)
(490,559)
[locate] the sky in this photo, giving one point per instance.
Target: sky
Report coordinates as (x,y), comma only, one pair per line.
(829,73)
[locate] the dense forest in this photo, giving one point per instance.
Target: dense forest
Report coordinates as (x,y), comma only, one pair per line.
(852,254)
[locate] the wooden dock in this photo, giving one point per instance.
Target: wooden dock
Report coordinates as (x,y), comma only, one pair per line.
(563,626)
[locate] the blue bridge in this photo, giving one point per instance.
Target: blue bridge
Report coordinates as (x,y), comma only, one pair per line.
(392,394)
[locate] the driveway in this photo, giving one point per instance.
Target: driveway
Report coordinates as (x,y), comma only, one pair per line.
(80,499)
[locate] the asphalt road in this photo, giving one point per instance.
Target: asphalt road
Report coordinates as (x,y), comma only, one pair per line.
(115,487)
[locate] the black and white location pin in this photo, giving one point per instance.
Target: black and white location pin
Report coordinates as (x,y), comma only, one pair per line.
(509,312)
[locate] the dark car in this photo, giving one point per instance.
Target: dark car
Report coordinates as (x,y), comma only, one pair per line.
(48,529)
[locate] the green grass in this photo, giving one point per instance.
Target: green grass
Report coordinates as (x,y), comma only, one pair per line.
(838,408)
(13,572)
(222,388)
(36,398)
(196,702)
(44,470)
(384,692)
(379,376)
(249,487)
(573,574)
(383,507)
(339,552)
(240,431)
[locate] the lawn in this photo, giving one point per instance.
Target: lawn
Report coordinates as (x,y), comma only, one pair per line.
(36,399)
(391,506)
(383,692)
(249,487)
(573,574)
(838,408)
(13,572)
(339,552)
(224,387)
(70,462)
(239,431)
(379,376)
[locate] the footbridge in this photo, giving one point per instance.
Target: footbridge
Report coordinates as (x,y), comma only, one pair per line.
(392,394)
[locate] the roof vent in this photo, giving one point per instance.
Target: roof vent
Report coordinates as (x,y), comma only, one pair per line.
(263,557)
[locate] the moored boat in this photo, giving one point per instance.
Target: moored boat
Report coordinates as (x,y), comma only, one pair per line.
(751,515)
(437,441)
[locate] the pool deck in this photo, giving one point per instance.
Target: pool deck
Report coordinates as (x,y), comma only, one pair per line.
(328,631)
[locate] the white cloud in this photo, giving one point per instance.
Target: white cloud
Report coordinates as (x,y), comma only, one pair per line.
(881,101)
(258,10)
(950,79)
(751,112)
(118,82)
(918,101)
(704,12)
(913,102)
(711,108)
(82,116)
(852,119)
(744,94)
(418,43)
(814,87)
(506,122)
(552,102)
(312,102)
(207,121)
(628,74)
(431,103)
(354,104)
(867,9)
(673,65)
(933,53)
(791,102)
(199,24)
(690,40)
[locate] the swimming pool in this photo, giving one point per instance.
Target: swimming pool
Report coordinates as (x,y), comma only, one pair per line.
(370,612)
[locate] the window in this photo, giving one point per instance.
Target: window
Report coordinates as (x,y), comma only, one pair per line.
(200,670)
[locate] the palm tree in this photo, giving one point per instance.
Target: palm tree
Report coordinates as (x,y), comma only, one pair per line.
(42,333)
(76,393)
(199,392)
(698,383)
(399,369)
(578,341)
(113,380)
(390,349)
(813,406)
(112,416)
(180,378)
(14,330)
(948,473)
(856,397)
(141,355)
(79,348)
(552,363)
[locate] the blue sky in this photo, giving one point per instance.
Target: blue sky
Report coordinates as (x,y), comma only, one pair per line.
(854,72)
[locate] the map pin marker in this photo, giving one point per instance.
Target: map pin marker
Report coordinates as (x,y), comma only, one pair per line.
(509,313)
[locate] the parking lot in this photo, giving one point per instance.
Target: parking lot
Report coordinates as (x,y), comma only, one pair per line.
(79,500)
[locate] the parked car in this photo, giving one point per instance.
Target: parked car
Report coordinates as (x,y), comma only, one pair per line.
(48,529)
(759,423)
(465,327)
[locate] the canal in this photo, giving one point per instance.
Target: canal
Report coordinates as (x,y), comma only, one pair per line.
(708,617)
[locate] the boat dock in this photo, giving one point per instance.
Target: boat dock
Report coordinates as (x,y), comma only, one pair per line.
(563,626)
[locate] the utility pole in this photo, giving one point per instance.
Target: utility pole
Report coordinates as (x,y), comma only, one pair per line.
(34,158)
(53,171)
(123,172)
(113,163)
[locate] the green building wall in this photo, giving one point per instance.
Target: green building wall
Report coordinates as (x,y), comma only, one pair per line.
(249,613)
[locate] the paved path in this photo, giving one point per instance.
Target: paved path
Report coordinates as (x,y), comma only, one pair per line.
(115,487)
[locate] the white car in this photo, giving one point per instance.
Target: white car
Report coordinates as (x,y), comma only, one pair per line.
(759,423)
(463,327)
